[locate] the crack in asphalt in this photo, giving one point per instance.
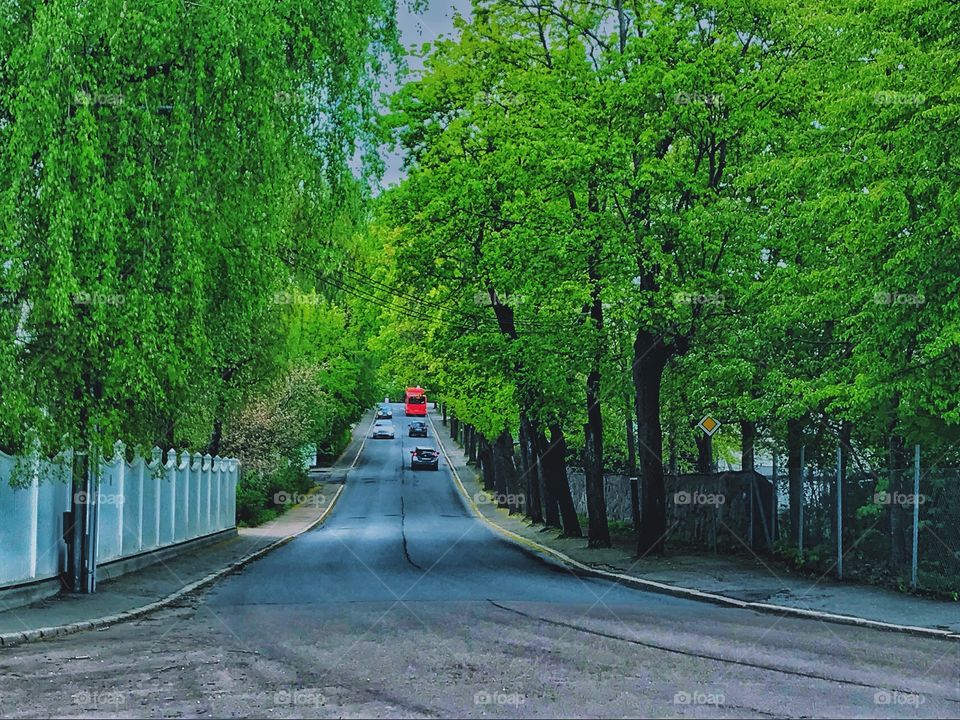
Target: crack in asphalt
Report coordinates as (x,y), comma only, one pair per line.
(403,534)
(709,656)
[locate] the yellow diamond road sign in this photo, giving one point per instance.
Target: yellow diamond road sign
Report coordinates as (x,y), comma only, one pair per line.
(709,425)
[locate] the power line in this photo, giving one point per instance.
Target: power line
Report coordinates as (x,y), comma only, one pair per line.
(541,324)
(358,277)
(406,311)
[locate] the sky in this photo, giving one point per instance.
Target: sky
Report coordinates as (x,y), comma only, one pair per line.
(415,29)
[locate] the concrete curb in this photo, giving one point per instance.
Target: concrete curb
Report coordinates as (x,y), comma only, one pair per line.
(20,637)
(542,552)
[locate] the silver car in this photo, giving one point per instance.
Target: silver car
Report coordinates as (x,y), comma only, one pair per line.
(383,429)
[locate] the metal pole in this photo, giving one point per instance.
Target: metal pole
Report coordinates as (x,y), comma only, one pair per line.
(94,518)
(803,476)
(839,519)
(916,513)
(91,525)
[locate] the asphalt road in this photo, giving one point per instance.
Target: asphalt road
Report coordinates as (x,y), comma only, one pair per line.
(404,605)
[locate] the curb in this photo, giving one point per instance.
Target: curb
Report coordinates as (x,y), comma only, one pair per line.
(18,638)
(578,568)
(25,636)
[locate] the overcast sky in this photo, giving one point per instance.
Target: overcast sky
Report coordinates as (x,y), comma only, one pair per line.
(416,29)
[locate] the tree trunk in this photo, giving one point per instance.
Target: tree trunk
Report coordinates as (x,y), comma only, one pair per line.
(704,451)
(650,359)
(528,435)
(506,472)
(170,436)
(551,508)
(486,464)
(443,412)
(555,461)
(672,449)
(899,523)
(499,477)
(472,446)
(748,437)
(525,466)
(794,476)
(75,535)
(217,436)
(598,531)
(453,427)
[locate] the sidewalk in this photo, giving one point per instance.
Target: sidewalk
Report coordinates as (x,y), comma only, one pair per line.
(168,581)
(761,584)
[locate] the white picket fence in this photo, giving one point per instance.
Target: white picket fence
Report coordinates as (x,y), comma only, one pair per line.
(143,505)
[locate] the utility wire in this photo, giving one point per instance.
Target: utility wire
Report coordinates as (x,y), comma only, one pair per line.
(541,324)
(415,314)
(358,277)
(406,311)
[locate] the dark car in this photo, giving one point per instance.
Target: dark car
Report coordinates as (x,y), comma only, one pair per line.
(418,428)
(424,457)
(384,412)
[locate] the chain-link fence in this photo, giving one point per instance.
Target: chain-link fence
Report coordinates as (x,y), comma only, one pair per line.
(743,512)
(887,526)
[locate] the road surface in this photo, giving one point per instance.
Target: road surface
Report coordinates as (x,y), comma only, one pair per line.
(405,605)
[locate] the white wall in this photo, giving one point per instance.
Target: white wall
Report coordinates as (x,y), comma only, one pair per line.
(144,504)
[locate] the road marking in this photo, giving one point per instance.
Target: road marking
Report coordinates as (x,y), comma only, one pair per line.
(364,441)
(688,593)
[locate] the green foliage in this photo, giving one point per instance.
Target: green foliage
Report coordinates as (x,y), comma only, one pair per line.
(165,171)
(260,498)
(771,192)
